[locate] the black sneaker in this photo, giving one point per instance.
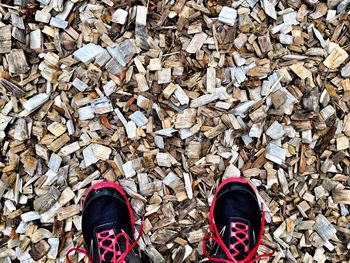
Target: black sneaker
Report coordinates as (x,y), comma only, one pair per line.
(108,225)
(237,223)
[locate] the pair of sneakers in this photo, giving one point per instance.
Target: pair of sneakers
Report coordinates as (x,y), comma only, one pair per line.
(235,219)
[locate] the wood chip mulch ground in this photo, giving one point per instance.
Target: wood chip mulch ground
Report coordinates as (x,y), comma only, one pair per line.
(168,98)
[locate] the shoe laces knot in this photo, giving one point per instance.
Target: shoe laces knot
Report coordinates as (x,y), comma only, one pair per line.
(107,242)
(239,233)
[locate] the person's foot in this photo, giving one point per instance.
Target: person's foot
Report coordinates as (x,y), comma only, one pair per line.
(236,222)
(108,224)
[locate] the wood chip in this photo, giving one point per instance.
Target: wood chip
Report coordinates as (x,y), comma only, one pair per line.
(5,39)
(141,15)
(228,15)
(39,250)
(336,58)
(275,154)
(119,16)
(301,71)
(88,53)
(324,228)
(211,80)
(164,159)
(95,152)
(196,42)
(341,196)
(17,62)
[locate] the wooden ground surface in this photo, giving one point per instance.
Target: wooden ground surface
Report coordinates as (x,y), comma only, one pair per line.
(168,98)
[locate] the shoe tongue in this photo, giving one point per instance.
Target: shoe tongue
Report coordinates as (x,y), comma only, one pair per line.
(238,237)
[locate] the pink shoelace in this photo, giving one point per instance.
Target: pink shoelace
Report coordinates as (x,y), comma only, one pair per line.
(239,231)
(107,241)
